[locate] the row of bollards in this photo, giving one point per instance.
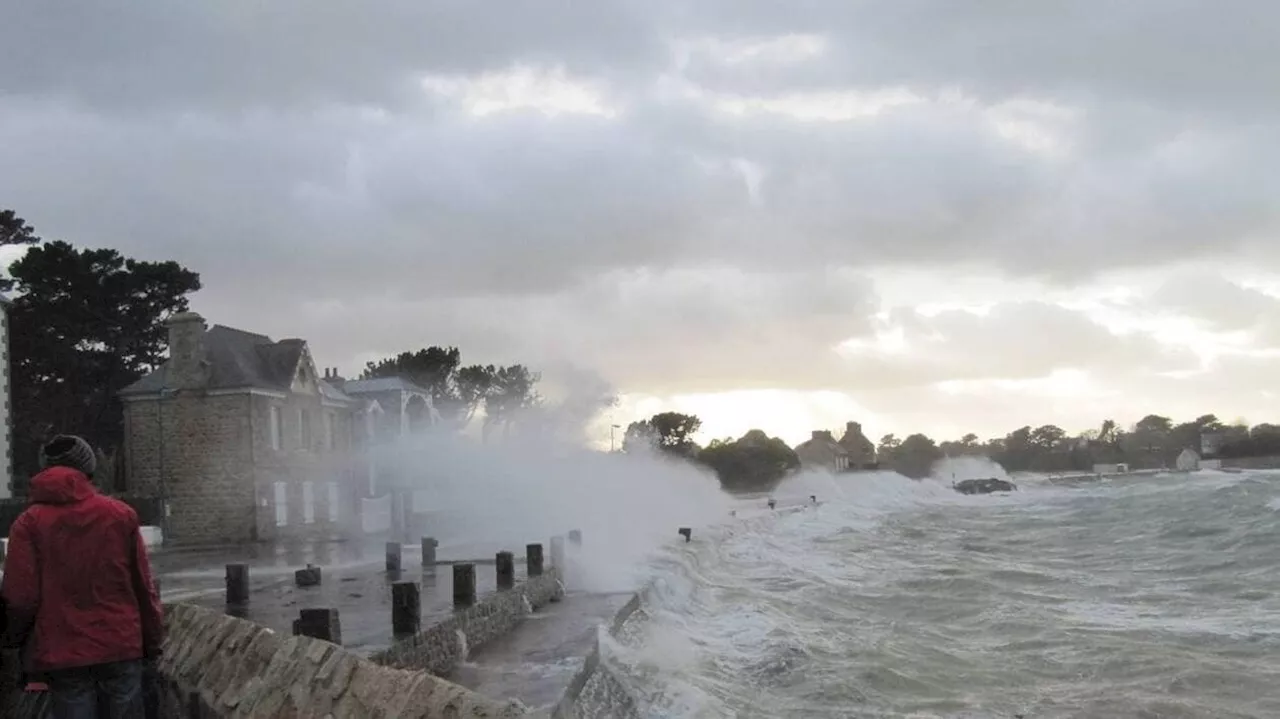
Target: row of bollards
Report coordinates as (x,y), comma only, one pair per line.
(406,597)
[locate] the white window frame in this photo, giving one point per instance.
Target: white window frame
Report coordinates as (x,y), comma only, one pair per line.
(308,502)
(281,495)
(276,421)
(334,502)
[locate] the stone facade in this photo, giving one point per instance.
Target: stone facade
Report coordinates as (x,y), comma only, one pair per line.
(824,452)
(439,648)
(862,451)
(243,439)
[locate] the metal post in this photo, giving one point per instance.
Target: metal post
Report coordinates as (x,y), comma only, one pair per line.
(464,585)
(533,558)
(237,584)
(505,562)
(406,608)
(321,624)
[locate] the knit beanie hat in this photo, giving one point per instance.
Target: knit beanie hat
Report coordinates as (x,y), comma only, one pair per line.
(68,450)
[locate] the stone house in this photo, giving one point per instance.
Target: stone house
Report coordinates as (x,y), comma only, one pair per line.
(862,451)
(394,408)
(243,438)
(822,452)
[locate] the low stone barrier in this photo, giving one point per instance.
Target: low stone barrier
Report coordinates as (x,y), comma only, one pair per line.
(442,646)
(593,691)
(215,665)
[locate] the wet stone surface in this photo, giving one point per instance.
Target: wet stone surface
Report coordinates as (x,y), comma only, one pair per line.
(353,581)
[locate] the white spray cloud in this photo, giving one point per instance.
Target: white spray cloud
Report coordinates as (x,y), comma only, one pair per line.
(482,498)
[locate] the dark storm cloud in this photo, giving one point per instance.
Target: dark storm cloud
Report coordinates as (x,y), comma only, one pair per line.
(693,173)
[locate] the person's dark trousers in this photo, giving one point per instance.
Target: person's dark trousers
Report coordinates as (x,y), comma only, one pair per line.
(101,691)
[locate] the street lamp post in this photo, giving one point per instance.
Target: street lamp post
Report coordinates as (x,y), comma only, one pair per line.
(165,393)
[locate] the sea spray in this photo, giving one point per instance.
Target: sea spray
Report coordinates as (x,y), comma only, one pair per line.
(490,497)
(463,650)
(969,467)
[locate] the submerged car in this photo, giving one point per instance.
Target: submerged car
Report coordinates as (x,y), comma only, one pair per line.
(983,486)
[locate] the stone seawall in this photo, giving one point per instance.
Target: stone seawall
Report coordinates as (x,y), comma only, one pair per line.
(215,665)
(441,647)
(595,693)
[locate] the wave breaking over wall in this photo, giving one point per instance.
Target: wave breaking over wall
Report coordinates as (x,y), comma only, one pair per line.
(618,679)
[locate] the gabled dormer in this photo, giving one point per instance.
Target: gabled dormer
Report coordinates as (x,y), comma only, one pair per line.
(305,378)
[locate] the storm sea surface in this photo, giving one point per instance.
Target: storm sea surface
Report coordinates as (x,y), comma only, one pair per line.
(1153,596)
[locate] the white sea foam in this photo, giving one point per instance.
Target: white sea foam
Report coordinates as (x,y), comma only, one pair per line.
(1156,595)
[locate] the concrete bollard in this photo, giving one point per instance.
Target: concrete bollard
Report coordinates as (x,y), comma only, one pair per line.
(393,557)
(237,583)
(464,585)
(533,559)
(319,624)
(406,608)
(557,553)
(575,537)
(687,533)
(309,577)
(429,545)
(773,503)
(505,562)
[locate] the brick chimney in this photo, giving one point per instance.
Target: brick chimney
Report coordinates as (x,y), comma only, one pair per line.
(853,427)
(188,367)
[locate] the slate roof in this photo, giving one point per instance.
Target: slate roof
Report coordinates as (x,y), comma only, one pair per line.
(824,439)
(381,384)
(242,360)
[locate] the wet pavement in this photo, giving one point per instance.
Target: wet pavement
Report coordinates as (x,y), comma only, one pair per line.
(354,581)
(537,661)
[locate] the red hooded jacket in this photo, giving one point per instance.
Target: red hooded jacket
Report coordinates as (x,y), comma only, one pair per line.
(77,579)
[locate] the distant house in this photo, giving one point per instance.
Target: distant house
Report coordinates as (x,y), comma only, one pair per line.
(861,451)
(1210,443)
(243,438)
(394,407)
(6,436)
(1188,460)
(823,452)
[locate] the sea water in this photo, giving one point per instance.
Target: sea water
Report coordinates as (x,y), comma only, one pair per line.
(1151,597)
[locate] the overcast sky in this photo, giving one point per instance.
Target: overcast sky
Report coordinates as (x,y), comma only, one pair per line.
(943,216)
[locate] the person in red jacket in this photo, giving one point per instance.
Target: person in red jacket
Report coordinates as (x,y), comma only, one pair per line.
(77,582)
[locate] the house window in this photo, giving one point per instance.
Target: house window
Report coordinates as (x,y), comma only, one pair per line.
(333,501)
(331,436)
(308,503)
(282,504)
(304,429)
(276,428)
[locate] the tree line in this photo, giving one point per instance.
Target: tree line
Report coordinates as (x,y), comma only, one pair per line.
(757,462)
(752,462)
(502,393)
(86,323)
